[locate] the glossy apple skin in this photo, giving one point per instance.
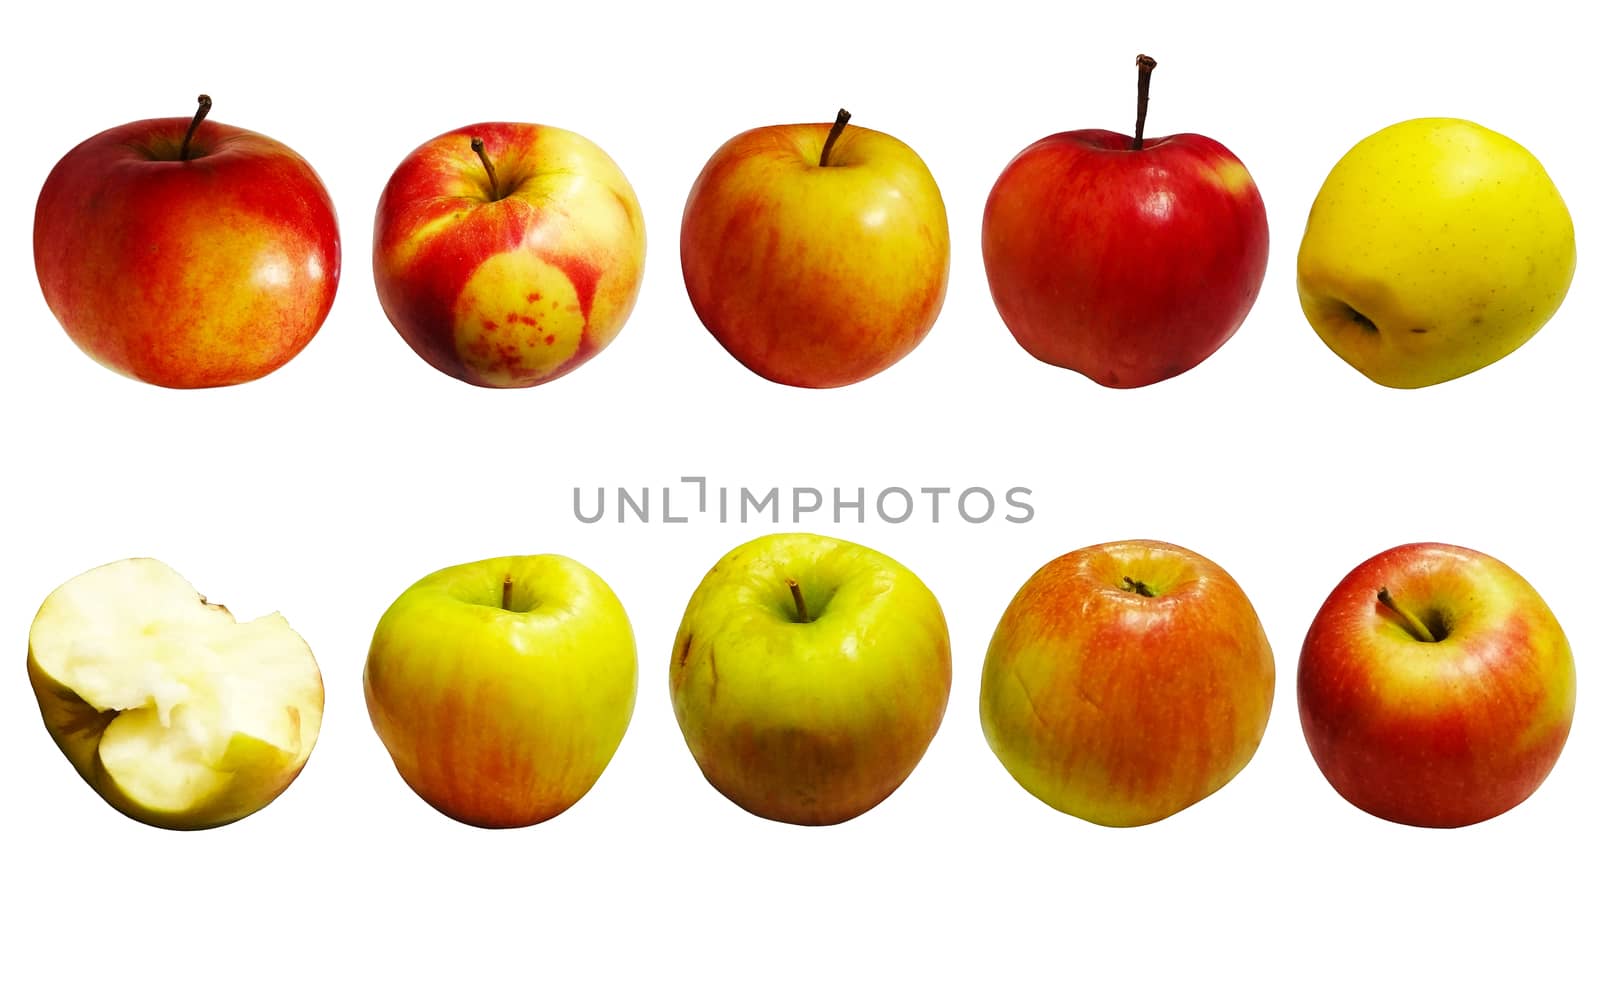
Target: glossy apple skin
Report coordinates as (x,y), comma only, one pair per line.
(503,717)
(210,271)
(809,723)
(518,290)
(1437,734)
(1434,248)
(815,276)
(1119,708)
(1129,266)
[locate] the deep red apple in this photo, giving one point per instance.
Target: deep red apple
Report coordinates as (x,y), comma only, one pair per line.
(1128,260)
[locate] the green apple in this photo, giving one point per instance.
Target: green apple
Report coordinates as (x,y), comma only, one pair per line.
(502,688)
(1434,248)
(178,715)
(809,676)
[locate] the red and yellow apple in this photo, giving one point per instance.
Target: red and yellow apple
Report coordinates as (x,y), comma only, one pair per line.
(508,254)
(178,715)
(1127,681)
(817,255)
(1129,260)
(502,688)
(1436,687)
(809,675)
(186,253)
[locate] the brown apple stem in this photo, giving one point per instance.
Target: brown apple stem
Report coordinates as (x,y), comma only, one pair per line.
(1413,625)
(839,123)
(799,600)
(194,126)
(1137,587)
(1146,67)
(488,168)
(505,594)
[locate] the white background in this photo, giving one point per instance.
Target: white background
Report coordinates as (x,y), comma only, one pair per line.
(328,487)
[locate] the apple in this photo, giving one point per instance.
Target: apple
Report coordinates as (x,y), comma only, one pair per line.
(1436,687)
(1126,681)
(186,253)
(1124,259)
(178,715)
(816,255)
(502,688)
(508,254)
(809,675)
(1434,248)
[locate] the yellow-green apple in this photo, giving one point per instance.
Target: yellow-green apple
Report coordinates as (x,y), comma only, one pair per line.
(817,255)
(1129,260)
(1436,687)
(1434,248)
(502,688)
(1127,681)
(178,715)
(186,253)
(508,254)
(809,676)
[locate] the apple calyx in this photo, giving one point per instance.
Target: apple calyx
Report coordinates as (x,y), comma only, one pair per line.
(839,122)
(1139,587)
(1414,626)
(494,182)
(1146,66)
(802,616)
(194,125)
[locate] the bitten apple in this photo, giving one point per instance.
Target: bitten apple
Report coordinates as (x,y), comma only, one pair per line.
(817,255)
(178,715)
(1126,259)
(508,254)
(502,688)
(186,253)
(1127,681)
(809,675)
(1436,687)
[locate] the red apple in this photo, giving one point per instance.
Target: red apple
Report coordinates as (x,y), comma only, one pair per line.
(1128,260)
(186,253)
(1436,687)
(508,254)
(817,255)
(1127,681)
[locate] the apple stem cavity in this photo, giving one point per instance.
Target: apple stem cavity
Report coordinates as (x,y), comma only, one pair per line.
(802,616)
(1139,587)
(505,594)
(1413,625)
(1146,67)
(488,168)
(194,125)
(839,122)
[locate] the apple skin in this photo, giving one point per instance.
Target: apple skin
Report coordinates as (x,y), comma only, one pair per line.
(1119,708)
(1128,266)
(513,291)
(503,716)
(1434,248)
(210,271)
(1444,733)
(815,276)
(816,722)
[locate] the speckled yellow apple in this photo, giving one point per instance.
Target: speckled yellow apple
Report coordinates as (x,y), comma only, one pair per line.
(178,715)
(1435,247)
(508,254)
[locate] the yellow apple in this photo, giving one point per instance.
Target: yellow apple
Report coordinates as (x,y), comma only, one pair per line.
(1434,248)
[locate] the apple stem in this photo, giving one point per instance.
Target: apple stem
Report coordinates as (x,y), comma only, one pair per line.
(1413,625)
(1146,67)
(799,600)
(194,125)
(488,168)
(839,123)
(1137,587)
(505,594)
